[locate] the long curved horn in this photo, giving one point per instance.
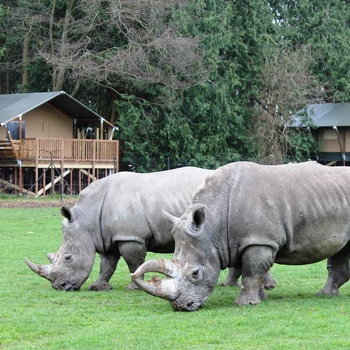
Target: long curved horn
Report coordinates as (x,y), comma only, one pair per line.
(41,270)
(163,288)
(164,266)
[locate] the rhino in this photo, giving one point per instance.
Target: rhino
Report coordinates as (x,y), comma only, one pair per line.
(118,216)
(250,216)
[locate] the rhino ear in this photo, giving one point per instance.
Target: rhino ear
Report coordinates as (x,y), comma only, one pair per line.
(66,212)
(197,219)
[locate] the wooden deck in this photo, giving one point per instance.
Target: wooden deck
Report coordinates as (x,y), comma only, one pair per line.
(67,155)
(72,152)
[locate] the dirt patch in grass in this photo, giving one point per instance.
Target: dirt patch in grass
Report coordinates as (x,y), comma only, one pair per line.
(36,203)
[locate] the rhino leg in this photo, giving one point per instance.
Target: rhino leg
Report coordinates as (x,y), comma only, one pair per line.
(338,272)
(234,274)
(256,261)
(108,265)
(232,278)
(134,254)
(269,282)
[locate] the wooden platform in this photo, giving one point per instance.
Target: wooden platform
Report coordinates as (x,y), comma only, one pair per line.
(61,155)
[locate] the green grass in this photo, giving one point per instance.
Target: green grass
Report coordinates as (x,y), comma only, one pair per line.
(33,315)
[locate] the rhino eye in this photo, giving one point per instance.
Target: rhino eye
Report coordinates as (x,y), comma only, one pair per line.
(195,274)
(67,257)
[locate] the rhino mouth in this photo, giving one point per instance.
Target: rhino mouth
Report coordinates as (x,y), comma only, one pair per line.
(66,286)
(187,305)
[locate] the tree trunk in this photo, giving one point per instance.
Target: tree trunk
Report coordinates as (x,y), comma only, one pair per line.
(61,69)
(25,61)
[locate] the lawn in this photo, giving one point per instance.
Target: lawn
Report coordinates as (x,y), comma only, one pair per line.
(33,315)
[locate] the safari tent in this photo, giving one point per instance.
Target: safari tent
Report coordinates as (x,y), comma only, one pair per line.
(50,139)
(332,121)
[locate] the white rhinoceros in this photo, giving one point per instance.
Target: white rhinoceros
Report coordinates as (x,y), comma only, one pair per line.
(118,216)
(249,216)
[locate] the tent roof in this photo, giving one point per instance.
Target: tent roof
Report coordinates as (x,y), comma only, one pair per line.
(13,106)
(326,114)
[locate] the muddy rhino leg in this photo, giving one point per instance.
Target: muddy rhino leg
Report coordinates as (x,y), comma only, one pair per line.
(256,261)
(134,254)
(108,264)
(338,272)
(232,278)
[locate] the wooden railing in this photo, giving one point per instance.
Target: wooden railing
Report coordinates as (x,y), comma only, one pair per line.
(68,149)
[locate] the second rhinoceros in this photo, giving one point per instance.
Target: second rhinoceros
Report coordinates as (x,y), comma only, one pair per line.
(118,216)
(249,216)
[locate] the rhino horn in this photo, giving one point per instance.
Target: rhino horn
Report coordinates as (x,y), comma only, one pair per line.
(172,219)
(41,270)
(51,257)
(163,288)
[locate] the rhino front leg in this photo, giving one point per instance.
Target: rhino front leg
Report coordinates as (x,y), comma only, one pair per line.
(256,262)
(134,254)
(338,272)
(108,265)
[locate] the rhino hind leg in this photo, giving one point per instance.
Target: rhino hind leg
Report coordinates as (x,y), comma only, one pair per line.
(338,272)
(232,278)
(269,283)
(234,274)
(256,262)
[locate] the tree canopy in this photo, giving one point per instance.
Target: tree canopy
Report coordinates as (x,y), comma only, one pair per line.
(201,82)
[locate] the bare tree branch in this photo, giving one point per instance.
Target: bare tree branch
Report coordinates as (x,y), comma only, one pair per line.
(286,86)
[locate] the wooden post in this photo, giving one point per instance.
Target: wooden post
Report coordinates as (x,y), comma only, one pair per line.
(15,180)
(21,180)
(94,157)
(44,182)
(20,129)
(101,129)
(36,166)
(79,179)
(62,180)
(71,181)
(52,174)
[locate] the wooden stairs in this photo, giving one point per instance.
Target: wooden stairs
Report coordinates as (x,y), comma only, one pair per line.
(9,149)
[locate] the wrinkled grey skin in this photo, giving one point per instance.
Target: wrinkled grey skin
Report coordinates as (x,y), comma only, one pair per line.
(118,216)
(249,216)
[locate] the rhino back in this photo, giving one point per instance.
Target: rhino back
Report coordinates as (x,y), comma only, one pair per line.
(131,205)
(297,209)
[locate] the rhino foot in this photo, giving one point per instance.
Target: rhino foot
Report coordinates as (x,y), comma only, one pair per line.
(230,284)
(98,287)
(250,297)
(245,300)
(269,284)
(132,286)
(328,291)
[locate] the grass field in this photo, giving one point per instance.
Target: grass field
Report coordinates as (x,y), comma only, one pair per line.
(33,315)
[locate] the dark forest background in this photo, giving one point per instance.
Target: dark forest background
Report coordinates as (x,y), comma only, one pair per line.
(197,82)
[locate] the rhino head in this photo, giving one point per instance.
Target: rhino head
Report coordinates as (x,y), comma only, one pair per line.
(71,266)
(193,273)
